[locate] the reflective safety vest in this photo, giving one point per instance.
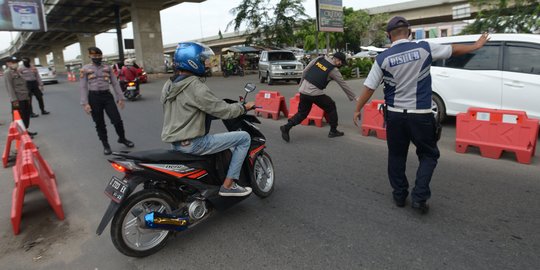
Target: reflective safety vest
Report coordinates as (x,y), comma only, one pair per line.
(318,73)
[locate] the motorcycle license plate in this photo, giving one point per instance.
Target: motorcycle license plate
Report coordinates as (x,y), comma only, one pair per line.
(116,189)
(131,88)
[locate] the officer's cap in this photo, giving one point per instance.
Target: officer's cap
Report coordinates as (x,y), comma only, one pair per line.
(397,22)
(94,50)
(341,56)
(13,59)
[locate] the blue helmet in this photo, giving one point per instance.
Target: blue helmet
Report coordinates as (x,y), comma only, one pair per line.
(191,56)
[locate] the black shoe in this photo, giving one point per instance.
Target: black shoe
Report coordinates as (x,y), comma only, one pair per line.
(285,133)
(399,202)
(107,150)
(32,133)
(422,207)
(45,112)
(34,115)
(335,133)
(126,142)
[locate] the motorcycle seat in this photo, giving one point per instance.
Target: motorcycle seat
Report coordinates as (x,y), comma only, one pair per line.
(160,155)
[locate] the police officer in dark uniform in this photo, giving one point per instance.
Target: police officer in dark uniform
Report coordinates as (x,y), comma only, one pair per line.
(18,91)
(96,98)
(405,71)
(316,76)
(34,84)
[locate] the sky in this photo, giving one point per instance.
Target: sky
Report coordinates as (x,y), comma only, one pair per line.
(189,21)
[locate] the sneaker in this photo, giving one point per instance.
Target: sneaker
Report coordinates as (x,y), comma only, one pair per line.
(32,133)
(45,112)
(335,133)
(399,202)
(285,133)
(235,190)
(107,150)
(34,115)
(126,142)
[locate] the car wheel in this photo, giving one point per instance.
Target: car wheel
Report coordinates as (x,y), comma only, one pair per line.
(270,80)
(437,105)
(298,81)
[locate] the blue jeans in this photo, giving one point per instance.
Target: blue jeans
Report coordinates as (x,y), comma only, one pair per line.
(214,143)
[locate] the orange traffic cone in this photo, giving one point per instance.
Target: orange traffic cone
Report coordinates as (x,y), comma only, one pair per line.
(17,119)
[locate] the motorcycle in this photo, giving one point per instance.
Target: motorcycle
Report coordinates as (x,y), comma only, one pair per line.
(177,191)
(131,90)
(232,68)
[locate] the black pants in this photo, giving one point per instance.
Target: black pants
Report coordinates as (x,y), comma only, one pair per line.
(401,129)
(304,107)
(33,87)
(24,110)
(103,102)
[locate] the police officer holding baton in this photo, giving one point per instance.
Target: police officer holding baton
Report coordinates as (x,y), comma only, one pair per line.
(405,71)
(96,98)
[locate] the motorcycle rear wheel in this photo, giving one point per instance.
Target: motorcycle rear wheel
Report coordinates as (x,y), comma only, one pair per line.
(128,232)
(263,185)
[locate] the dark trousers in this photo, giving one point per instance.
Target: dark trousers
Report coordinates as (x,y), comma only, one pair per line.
(33,87)
(401,129)
(24,110)
(304,107)
(103,102)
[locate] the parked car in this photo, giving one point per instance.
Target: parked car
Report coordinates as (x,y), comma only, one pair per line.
(47,74)
(504,74)
(279,65)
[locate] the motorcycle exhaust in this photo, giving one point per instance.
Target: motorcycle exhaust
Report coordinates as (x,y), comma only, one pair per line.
(155,220)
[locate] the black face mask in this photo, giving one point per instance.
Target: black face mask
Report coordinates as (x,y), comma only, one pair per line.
(96,61)
(26,64)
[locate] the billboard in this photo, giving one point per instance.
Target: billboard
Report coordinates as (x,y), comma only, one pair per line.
(22,15)
(330,15)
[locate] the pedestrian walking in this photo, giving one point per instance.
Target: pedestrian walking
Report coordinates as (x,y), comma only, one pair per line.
(405,71)
(34,84)
(18,91)
(316,76)
(97,99)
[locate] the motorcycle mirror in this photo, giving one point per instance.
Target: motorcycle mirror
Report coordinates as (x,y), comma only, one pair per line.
(250,87)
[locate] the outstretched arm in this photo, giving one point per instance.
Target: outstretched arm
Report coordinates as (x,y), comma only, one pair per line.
(461,49)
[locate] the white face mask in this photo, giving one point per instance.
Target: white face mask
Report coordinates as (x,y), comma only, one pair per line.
(13,65)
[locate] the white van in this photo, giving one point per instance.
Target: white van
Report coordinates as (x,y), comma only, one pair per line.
(504,74)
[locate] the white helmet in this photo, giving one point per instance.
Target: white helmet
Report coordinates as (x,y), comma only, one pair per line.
(128,62)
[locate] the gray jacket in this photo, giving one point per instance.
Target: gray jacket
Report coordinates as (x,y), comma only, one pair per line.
(16,85)
(185,106)
(309,89)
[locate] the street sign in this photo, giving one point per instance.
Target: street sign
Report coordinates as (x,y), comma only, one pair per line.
(330,15)
(22,15)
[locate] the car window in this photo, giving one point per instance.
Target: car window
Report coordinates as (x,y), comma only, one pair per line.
(279,56)
(485,58)
(522,57)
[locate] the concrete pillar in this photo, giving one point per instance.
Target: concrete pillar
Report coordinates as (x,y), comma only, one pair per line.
(58,58)
(147,35)
(43,59)
(86,41)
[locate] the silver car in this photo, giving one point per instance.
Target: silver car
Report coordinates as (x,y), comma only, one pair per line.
(47,74)
(279,65)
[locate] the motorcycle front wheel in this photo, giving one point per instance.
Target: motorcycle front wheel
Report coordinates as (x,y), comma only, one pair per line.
(263,174)
(128,231)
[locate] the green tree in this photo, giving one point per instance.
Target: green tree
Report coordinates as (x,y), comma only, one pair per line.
(265,29)
(505,16)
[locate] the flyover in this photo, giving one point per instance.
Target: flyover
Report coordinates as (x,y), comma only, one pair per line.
(79,21)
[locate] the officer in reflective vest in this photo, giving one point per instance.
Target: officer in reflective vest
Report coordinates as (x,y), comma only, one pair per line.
(34,84)
(405,70)
(316,77)
(96,98)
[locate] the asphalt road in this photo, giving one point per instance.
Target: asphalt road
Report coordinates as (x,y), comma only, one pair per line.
(331,209)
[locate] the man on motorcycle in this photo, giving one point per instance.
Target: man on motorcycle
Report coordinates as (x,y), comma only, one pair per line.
(189,105)
(128,73)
